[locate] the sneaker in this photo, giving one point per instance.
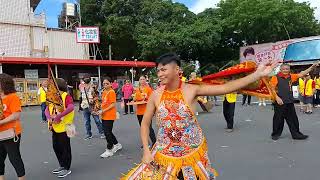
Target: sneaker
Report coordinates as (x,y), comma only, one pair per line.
(102,136)
(125,113)
(58,170)
(131,112)
(260,104)
(275,137)
(264,104)
(229,130)
(64,173)
(116,148)
(107,153)
(88,137)
(301,137)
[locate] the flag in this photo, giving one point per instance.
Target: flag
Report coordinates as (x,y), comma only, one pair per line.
(53,94)
(260,88)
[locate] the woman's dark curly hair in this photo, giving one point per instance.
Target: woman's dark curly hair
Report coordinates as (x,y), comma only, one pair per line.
(7,84)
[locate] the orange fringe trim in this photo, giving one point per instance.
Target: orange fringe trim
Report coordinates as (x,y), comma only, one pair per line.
(178,162)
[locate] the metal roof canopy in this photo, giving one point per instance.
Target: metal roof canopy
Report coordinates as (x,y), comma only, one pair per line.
(75,62)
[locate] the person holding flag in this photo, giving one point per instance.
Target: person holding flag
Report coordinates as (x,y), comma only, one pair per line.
(60,115)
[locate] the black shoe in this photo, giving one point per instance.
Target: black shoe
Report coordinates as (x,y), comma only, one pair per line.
(275,137)
(300,137)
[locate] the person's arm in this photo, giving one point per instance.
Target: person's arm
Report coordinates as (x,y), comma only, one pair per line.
(213,90)
(14,116)
(144,130)
(69,108)
(47,113)
(305,72)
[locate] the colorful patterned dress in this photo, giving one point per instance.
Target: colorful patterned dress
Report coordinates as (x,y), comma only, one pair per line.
(181,145)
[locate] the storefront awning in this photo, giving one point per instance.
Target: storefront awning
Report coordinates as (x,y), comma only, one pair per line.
(75,62)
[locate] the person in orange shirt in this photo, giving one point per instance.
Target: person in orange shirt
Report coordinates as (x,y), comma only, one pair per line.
(10,119)
(284,106)
(141,94)
(108,116)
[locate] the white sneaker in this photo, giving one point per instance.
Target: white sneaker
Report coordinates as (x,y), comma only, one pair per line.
(107,153)
(264,104)
(116,148)
(260,104)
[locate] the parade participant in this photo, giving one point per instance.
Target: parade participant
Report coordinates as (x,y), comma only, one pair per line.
(262,102)
(142,93)
(317,98)
(81,89)
(301,92)
(58,121)
(244,99)
(309,91)
(115,87)
(181,148)
(127,90)
(42,96)
(109,115)
(284,107)
(86,105)
(229,105)
(10,113)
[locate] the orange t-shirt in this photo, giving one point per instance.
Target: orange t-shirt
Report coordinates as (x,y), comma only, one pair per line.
(11,104)
(109,97)
(141,108)
(274,80)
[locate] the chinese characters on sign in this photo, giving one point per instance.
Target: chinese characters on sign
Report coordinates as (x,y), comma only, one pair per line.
(87,35)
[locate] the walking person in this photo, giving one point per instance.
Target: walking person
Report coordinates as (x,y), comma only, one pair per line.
(309,91)
(142,93)
(244,99)
(11,116)
(283,107)
(181,149)
(317,95)
(262,102)
(229,105)
(301,88)
(42,96)
(86,105)
(127,90)
(109,115)
(57,125)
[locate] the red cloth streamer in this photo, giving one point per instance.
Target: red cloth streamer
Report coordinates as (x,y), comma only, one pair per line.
(260,88)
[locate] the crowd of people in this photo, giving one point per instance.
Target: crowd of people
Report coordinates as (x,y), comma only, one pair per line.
(179,146)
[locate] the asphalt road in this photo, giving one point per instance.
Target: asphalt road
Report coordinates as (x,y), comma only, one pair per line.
(246,154)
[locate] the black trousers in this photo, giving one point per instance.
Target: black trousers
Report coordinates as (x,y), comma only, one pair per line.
(317,99)
(62,149)
(244,98)
(285,112)
(152,135)
(228,113)
(12,149)
(126,106)
(111,139)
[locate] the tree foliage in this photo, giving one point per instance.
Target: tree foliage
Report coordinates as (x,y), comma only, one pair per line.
(145,29)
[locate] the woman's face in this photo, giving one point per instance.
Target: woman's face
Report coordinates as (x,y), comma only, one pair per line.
(142,80)
(106,84)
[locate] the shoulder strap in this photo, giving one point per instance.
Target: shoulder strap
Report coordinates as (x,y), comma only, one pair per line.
(85,91)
